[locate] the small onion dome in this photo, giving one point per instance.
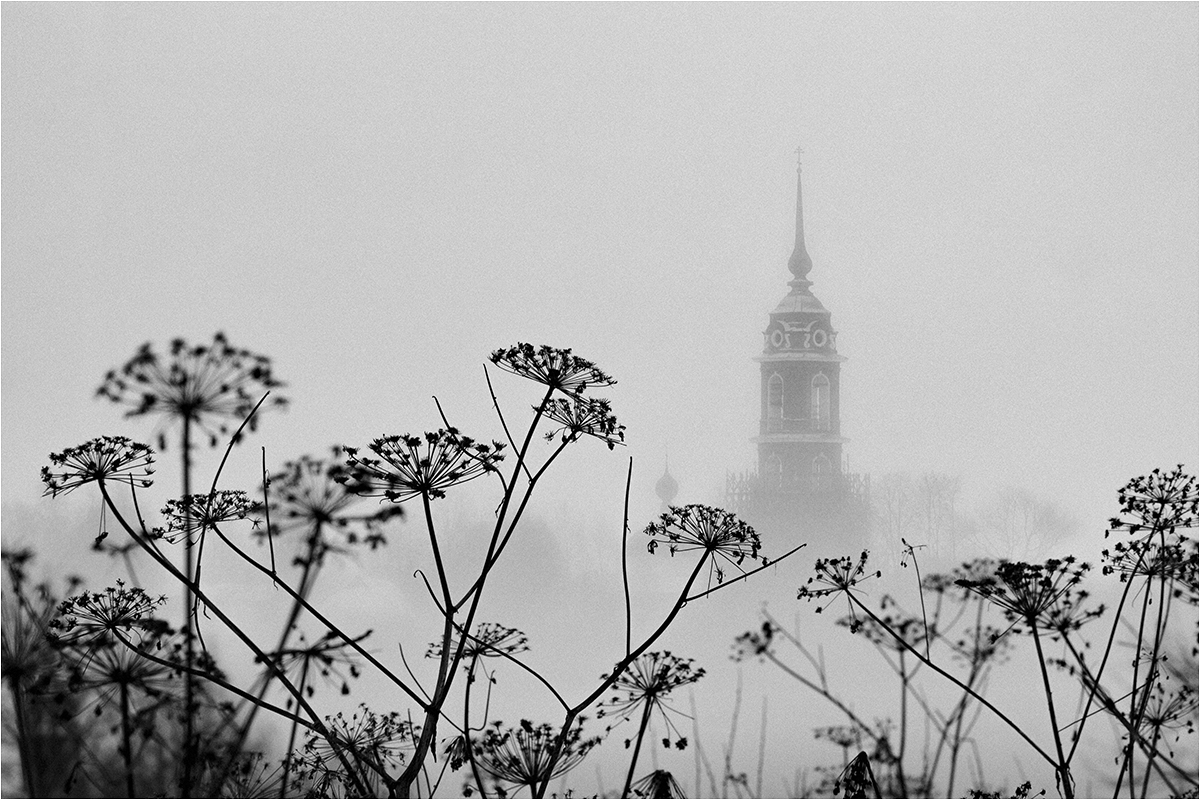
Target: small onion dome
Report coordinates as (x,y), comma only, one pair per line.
(666,488)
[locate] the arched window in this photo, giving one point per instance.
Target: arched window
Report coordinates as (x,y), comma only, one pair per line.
(773,471)
(822,474)
(775,397)
(820,402)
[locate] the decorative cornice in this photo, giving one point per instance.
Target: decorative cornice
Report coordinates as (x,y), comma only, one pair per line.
(791,356)
(792,438)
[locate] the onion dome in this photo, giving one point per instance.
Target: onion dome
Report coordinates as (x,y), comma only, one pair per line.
(666,487)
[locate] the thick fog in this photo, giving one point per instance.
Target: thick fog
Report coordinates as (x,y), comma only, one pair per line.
(1000,202)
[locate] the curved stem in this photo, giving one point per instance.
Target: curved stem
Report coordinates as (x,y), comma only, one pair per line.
(978,697)
(574,712)
(1108,647)
(625,566)
(321,618)
(496,404)
(214,680)
(745,575)
(233,628)
(293,615)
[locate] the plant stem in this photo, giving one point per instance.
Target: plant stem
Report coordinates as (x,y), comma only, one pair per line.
(189,682)
(624,561)
(127,741)
(166,564)
(904,722)
(18,696)
(978,697)
(574,712)
(1064,771)
(956,743)
(637,747)
(287,764)
(468,745)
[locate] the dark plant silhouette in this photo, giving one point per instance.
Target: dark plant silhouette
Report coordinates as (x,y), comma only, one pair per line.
(314,506)
(644,687)
(1045,602)
(205,388)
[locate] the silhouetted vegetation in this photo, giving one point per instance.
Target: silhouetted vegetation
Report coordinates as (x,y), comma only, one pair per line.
(107,695)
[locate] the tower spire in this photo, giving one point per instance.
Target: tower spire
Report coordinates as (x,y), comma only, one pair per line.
(800,263)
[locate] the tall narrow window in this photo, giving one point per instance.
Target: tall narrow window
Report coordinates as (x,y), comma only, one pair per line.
(820,402)
(773,469)
(775,397)
(822,474)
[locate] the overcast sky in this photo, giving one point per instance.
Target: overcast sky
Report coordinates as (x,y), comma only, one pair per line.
(1001,208)
(1001,203)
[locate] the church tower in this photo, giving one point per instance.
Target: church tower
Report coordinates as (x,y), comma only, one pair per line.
(799,435)
(801,479)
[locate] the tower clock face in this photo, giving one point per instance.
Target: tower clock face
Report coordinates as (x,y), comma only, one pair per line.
(792,336)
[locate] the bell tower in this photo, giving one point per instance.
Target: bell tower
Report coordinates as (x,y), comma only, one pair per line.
(799,436)
(801,482)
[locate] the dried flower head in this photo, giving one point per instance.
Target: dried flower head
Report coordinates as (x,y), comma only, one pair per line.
(252,775)
(93,617)
(759,642)
(698,527)
(27,659)
(835,576)
(106,670)
(1158,502)
(658,783)
(974,570)
(191,516)
(584,416)
(551,366)
(1045,595)
(411,466)
(521,755)
(857,779)
(208,384)
(373,741)
(490,641)
(1173,561)
(310,497)
(644,686)
(331,657)
(1170,709)
(108,458)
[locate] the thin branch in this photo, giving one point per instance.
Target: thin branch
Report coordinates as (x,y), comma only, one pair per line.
(625,561)
(496,404)
(744,575)
(266,478)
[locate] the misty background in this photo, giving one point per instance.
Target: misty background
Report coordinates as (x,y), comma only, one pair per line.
(1000,204)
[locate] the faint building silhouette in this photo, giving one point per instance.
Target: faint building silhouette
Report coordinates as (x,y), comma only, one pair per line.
(802,489)
(666,487)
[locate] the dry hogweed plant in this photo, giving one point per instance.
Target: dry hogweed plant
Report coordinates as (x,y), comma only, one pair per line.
(1154,562)
(311,508)
(204,389)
